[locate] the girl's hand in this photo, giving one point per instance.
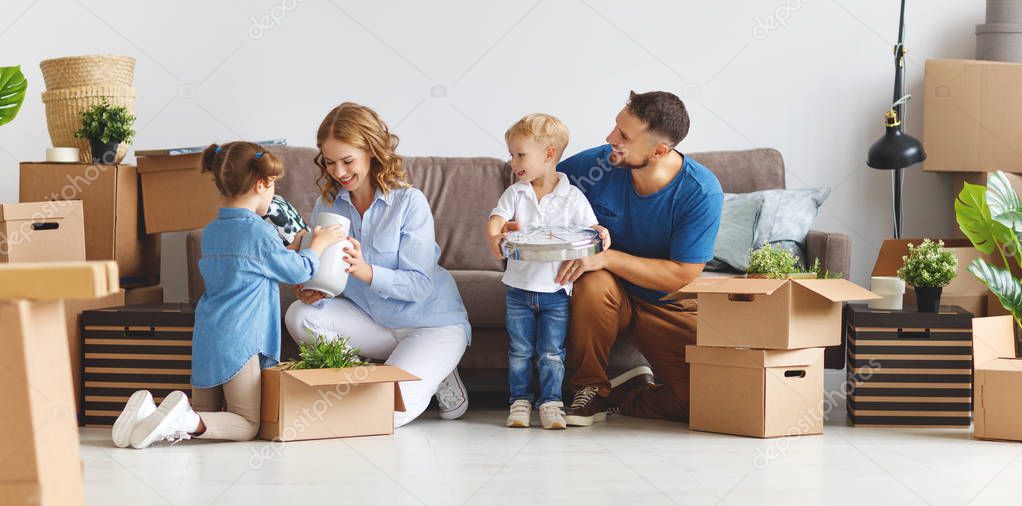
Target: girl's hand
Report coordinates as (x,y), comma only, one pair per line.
(357,265)
(604,236)
(296,243)
(325,237)
(309,296)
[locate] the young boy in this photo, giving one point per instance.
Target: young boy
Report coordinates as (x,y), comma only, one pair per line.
(537,306)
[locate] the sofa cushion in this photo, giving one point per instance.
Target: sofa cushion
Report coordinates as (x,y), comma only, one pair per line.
(484,296)
(745,171)
(461,193)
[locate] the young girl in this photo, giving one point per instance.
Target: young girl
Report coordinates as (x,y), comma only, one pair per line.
(237,321)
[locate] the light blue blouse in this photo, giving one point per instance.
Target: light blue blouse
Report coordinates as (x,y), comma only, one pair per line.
(243,262)
(409,288)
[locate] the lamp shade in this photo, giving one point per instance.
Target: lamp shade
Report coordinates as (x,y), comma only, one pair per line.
(895,150)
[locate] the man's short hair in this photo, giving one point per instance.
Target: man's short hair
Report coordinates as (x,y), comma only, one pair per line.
(663,113)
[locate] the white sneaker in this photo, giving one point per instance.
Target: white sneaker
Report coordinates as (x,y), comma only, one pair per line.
(139,406)
(174,420)
(521,413)
(452,397)
(551,415)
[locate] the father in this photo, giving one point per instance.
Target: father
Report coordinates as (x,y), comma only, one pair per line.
(663,211)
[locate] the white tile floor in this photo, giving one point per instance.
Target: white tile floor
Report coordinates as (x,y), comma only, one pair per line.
(624,461)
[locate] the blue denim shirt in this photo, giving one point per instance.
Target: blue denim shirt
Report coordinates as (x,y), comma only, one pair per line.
(409,288)
(243,261)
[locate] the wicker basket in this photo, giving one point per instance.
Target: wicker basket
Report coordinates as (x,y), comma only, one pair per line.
(64,110)
(82,71)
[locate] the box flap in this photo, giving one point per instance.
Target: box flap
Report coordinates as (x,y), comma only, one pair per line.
(748,357)
(992,338)
(158,163)
(837,290)
(40,211)
(745,286)
(351,375)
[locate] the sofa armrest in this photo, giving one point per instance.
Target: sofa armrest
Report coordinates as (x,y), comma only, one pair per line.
(833,249)
(193,249)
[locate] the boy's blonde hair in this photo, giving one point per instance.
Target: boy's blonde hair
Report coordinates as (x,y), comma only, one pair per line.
(544,129)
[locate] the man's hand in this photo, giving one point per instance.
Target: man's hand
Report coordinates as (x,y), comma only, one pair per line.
(571,270)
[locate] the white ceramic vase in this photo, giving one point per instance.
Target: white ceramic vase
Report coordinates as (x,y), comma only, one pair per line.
(891,288)
(332,276)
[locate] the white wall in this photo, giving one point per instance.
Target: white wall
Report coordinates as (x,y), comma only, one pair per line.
(451,76)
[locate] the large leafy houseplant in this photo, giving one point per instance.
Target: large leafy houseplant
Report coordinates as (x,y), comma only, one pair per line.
(991,217)
(12,92)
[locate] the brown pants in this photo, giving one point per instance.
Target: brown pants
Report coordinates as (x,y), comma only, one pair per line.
(241,395)
(602,311)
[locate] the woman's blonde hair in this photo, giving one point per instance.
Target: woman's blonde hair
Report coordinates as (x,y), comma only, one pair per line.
(362,128)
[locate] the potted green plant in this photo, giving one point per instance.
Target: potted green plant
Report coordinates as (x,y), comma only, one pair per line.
(106,126)
(991,217)
(12,92)
(326,354)
(928,267)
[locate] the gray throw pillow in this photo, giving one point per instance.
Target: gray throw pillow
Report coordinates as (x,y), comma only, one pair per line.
(738,221)
(786,216)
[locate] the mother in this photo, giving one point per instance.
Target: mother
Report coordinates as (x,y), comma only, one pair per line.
(398,305)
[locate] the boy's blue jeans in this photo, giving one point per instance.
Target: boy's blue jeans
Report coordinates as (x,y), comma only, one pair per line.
(538,326)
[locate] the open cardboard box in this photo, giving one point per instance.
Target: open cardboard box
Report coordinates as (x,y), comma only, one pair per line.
(779,314)
(965,290)
(997,410)
(42,232)
(329,403)
(759,393)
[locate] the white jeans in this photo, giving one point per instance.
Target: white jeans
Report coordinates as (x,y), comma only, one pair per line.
(430,353)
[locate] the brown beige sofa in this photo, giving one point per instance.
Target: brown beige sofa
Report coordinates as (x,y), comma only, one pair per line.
(462,191)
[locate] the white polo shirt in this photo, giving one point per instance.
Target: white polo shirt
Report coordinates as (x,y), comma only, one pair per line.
(566,206)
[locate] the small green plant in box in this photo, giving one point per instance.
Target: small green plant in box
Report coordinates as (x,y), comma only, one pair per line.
(106,126)
(326,353)
(928,267)
(779,263)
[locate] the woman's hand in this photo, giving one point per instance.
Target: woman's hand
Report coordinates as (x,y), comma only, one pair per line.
(357,265)
(309,296)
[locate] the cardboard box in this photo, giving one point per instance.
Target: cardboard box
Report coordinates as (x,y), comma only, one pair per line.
(42,232)
(112,210)
(998,376)
(42,460)
(759,393)
(143,295)
(129,348)
(779,314)
(909,369)
(972,116)
(328,403)
(176,195)
(73,310)
(965,290)
(58,280)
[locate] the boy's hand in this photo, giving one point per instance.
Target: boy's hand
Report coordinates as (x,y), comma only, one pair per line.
(604,236)
(495,245)
(325,237)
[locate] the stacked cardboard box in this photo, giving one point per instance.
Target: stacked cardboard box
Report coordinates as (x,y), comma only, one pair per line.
(907,368)
(757,366)
(998,413)
(177,196)
(129,348)
(42,461)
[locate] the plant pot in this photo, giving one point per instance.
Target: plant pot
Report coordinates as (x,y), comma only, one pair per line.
(928,298)
(103,153)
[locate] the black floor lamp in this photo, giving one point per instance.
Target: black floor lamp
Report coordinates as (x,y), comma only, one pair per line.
(897,150)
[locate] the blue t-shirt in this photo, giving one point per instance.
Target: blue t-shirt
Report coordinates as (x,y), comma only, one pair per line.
(679,222)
